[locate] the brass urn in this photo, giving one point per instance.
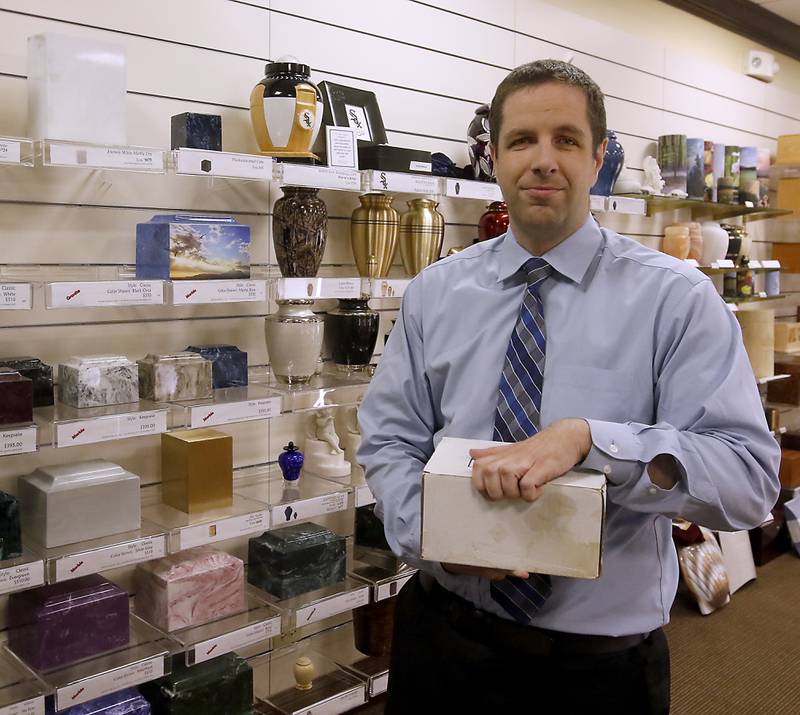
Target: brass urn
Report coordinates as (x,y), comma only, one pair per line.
(421,235)
(373,235)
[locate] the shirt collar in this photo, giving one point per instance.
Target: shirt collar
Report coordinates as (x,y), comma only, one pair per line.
(571,258)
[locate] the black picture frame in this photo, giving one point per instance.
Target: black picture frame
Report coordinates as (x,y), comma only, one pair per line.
(338,101)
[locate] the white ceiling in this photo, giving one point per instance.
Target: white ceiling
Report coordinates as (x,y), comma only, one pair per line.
(787,9)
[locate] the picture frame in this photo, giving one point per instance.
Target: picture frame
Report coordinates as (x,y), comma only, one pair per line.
(356,108)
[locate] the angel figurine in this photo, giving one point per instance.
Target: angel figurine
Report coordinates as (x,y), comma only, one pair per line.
(652,182)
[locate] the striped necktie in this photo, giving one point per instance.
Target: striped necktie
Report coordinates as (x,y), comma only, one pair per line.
(517,418)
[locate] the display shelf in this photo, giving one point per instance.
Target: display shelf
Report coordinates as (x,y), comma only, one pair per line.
(204,292)
(469,189)
(101,294)
(319,177)
(243,517)
(305,498)
(355,483)
(254,626)
(385,575)
(18,439)
(16,151)
(623,205)
(328,389)
(715,270)
(69,426)
(752,299)
(21,573)
(706,209)
(229,405)
(102,156)
(315,606)
(772,378)
(97,555)
(21,692)
(316,288)
(333,690)
(221,164)
(402,183)
(145,658)
(16,296)
(338,644)
(385,287)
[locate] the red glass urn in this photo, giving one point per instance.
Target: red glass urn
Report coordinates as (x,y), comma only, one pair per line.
(494,221)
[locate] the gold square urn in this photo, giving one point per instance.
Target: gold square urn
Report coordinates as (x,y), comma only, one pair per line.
(197,470)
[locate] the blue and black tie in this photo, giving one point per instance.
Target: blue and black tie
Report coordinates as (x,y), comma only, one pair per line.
(517,418)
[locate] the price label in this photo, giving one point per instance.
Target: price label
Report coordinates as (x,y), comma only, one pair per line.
(195,292)
(139,424)
(338,704)
(10,153)
(364,496)
(626,205)
(241,638)
(105,293)
(110,557)
(312,288)
(388,287)
(18,578)
(226,413)
(473,190)
(771,264)
(597,203)
(198,162)
(321,177)
(379,684)
(201,534)
(726,263)
(754,264)
(16,296)
(306,508)
(107,157)
(733,307)
(118,679)
(404,183)
(388,590)
(104,429)
(18,441)
(332,606)
(34,706)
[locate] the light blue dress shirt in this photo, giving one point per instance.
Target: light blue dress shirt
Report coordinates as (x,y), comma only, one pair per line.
(639,344)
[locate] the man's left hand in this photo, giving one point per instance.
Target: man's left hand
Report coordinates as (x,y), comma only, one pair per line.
(521,470)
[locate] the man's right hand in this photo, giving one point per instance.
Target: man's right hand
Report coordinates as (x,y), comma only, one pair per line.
(483,572)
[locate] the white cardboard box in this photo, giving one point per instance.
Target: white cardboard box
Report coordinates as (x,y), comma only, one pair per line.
(561,533)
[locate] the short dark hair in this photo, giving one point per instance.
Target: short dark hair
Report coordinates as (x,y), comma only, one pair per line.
(541,72)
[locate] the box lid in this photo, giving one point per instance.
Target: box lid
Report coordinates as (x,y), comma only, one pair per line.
(451,457)
(213,350)
(170,359)
(8,374)
(83,362)
(59,477)
(298,536)
(82,591)
(124,702)
(195,435)
(187,564)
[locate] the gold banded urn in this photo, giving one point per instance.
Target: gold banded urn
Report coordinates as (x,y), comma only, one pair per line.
(421,235)
(373,234)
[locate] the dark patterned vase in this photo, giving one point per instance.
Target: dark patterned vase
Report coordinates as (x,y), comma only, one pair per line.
(612,165)
(299,231)
(478,145)
(351,331)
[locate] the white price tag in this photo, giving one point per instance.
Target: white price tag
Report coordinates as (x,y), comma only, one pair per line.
(338,704)
(771,264)
(18,578)
(10,153)
(306,508)
(241,638)
(110,557)
(626,205)
(733,307)
(34,706)
(379,685)
(762,294)
(332,606)
(388,590)
(226,413)
(364,496)
(140,424)
(16,296)
(388,287)
(103,293)
(223,529)
(321,177)
(104,429)
(191,292)
(597,203)
(312,288)
(467,189)
(726,263)
(99,685)
(404,183)
(201,162)
(691,262)
(754,264)
(18,441)
(124,158)
(426,166)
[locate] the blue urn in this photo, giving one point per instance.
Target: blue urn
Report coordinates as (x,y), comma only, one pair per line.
(612,165)
(291,462)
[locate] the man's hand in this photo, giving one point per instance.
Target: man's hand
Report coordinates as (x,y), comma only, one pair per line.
(483,572)
(521,470)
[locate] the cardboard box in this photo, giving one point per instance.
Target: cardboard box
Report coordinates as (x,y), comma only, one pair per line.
(561,533)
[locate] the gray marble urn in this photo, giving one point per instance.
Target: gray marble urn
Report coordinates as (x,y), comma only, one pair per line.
(175,377)
(97,380)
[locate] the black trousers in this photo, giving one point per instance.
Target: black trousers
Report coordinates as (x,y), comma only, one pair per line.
(436,666)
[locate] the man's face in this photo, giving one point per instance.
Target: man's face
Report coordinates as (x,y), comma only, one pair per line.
(544,161)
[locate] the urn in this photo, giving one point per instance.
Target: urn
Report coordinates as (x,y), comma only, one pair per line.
(294,341)
(299,231)
(478,145)
(421,235)
(351,333)
(612,165)
(494,221)
(373,234)
(291,462)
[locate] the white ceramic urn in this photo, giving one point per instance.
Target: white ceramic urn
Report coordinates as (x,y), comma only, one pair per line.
(715,242)
(294,341)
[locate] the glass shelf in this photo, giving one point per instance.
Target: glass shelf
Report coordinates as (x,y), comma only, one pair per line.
(329,389)
(142,660)
(229,405)
(72,426)
(402,182)
(102,156)
(18,439)
(385,287)
(316,288)
(772,378)
(103,294)
(186,531)
(287,173)
(333,689)
(308,497)
(385,574)
(712,270)
(205,292)
(256,625)
(621,205)
(707,209)
(752,299)
(21,692)
(64,563)
(16,151)
(24,572)
(221,164)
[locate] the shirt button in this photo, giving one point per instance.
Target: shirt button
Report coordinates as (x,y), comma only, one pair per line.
(613,448)
(607,469)
(653,491)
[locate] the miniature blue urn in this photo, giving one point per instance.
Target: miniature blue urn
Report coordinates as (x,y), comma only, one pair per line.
(291,462)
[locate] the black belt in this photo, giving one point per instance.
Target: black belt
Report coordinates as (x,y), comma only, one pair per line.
(493,631)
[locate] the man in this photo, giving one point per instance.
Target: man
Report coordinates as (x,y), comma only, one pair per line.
(585,349)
